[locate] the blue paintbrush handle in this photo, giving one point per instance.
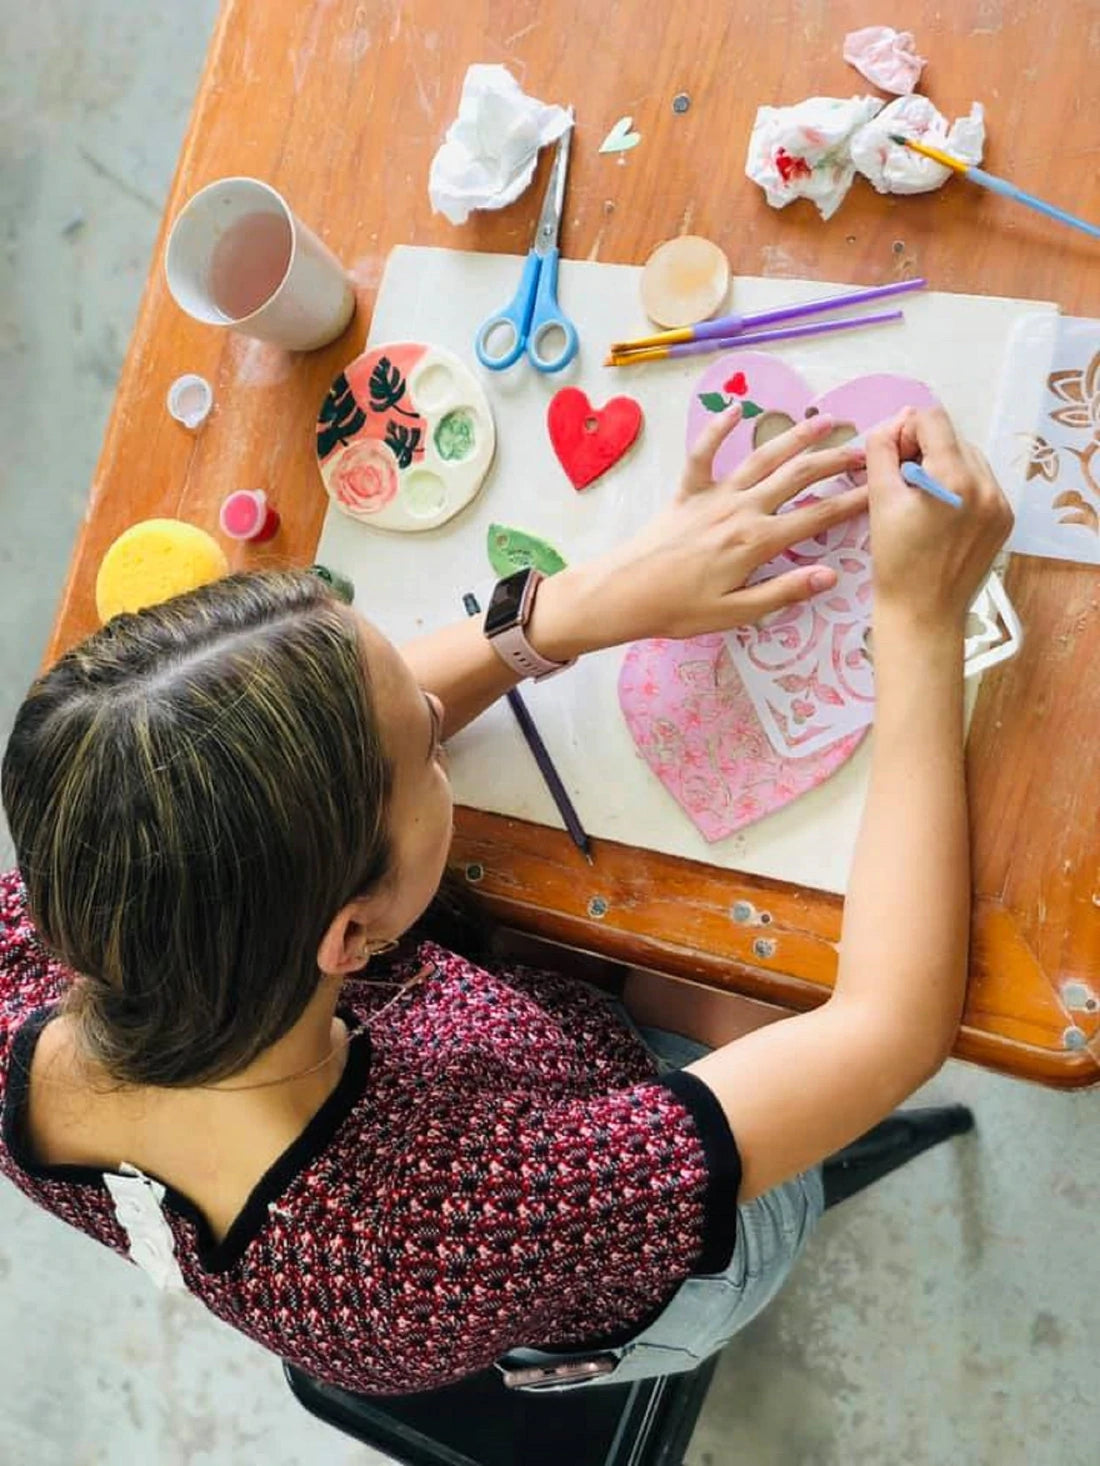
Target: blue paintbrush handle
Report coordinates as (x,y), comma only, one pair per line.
(920,478)
(1011,191)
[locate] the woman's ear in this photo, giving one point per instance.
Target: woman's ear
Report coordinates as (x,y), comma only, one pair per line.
(353,934)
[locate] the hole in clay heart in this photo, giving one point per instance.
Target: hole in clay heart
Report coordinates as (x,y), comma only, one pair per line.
(769,425)
(591,424)
(843,433)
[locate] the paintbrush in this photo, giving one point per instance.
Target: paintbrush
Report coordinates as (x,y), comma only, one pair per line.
(723,326)
(750,338)
(996,185)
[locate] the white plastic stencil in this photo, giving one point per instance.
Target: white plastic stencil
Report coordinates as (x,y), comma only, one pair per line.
(1046,437)
(993,632)
(808,668)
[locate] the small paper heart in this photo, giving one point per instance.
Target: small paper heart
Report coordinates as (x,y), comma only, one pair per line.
(620,139)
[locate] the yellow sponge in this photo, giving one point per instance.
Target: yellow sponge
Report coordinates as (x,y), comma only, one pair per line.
(154,560)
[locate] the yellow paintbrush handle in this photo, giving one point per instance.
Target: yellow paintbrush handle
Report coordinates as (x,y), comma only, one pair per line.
(937,157)
(646,343)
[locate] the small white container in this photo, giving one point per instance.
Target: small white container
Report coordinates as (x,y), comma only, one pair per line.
(238,257)
(190,399)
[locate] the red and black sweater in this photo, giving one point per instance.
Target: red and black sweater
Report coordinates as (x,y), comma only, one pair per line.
(499,1165)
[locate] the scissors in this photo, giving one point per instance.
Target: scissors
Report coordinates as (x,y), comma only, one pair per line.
(534,314)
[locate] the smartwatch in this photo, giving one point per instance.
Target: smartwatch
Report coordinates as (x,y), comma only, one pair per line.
(505,623)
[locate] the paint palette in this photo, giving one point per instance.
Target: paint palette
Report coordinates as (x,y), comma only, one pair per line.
(405,437)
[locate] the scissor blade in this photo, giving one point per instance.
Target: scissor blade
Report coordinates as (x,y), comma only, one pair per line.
(553,201)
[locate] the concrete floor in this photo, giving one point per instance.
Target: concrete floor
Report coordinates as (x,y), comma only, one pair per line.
(947,1317)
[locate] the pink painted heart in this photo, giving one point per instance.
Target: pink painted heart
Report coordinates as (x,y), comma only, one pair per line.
(806,668)
(692,716)
(694,724)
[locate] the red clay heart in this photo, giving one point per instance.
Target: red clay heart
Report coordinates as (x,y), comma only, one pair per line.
(737,384)
(587,439)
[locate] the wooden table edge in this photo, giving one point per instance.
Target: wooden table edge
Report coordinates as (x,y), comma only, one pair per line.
(543,864)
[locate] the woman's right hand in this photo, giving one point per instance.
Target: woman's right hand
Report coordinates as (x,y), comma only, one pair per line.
(929,559)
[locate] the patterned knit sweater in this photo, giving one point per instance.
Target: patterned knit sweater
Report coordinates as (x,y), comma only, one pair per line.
(498,1166)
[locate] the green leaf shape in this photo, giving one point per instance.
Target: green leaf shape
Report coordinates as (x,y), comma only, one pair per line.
(387,385)
(750,409)
(510,550)
(715,402)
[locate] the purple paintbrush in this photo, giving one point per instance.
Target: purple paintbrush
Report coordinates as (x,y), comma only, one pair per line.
(725,326)
(752,338)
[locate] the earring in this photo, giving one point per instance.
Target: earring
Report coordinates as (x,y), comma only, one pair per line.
(379,947)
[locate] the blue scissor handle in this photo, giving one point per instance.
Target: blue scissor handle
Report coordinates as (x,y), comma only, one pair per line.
(517,315)
(547,318)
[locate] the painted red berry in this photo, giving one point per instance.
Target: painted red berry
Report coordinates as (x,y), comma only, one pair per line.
(736,384)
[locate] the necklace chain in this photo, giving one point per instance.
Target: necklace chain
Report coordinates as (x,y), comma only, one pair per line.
(346,1043)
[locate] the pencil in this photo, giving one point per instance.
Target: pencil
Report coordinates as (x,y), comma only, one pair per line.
(751,338)
(997,185)
(533,738)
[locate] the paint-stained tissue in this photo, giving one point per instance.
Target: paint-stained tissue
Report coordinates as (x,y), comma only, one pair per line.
(893,169)
(489,154)
(815,148)
(804,151)
(886,57)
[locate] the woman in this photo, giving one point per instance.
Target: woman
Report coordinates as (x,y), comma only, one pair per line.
(224,808)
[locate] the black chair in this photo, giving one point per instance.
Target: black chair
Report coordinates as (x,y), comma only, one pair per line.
(479,1422)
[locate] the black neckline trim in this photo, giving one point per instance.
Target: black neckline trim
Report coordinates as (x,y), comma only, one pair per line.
(213,1256)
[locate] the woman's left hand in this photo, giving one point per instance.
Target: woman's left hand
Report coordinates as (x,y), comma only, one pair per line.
(685,573)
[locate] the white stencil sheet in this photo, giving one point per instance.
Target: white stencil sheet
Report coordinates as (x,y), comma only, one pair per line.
(1046,437)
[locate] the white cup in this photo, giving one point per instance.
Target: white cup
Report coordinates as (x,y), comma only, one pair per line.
(238,257)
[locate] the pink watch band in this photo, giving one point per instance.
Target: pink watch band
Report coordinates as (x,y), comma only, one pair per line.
(511,644)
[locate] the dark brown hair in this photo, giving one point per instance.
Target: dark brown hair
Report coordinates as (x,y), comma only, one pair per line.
(194,792)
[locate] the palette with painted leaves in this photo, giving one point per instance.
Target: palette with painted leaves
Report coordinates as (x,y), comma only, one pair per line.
(405,437)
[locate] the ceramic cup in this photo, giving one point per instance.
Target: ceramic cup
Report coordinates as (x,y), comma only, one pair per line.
(237,256)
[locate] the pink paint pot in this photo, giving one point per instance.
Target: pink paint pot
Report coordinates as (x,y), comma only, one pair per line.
(246,515)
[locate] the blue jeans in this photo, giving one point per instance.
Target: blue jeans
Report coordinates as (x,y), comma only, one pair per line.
(705,1312)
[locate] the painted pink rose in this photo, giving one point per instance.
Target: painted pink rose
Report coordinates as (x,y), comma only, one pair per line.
(362,477)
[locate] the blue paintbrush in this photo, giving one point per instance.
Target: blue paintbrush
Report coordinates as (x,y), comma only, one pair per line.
(997,185)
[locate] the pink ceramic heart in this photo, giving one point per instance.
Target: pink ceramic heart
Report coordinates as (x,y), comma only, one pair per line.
(806,668)
(773,387)
(694,724)
(691,715)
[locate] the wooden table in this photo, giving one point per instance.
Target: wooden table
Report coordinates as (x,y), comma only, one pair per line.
(342,106)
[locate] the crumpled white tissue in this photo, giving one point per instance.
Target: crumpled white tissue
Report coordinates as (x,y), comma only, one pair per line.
(803,152)
(894,169)
(886,57)
(489,154)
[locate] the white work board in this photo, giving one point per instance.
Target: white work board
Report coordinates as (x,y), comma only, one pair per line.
(411,583)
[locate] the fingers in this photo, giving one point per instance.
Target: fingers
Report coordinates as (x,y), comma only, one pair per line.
(802,471)
(934,433)
(699,470)
(780,450)
(802,524)
(756,601)
(885,452)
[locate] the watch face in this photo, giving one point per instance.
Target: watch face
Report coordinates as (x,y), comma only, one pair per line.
(507,603)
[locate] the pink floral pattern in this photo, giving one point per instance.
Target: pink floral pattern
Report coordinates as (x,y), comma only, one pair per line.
(807,668)
(694,724)
(362,476)
(697,709)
